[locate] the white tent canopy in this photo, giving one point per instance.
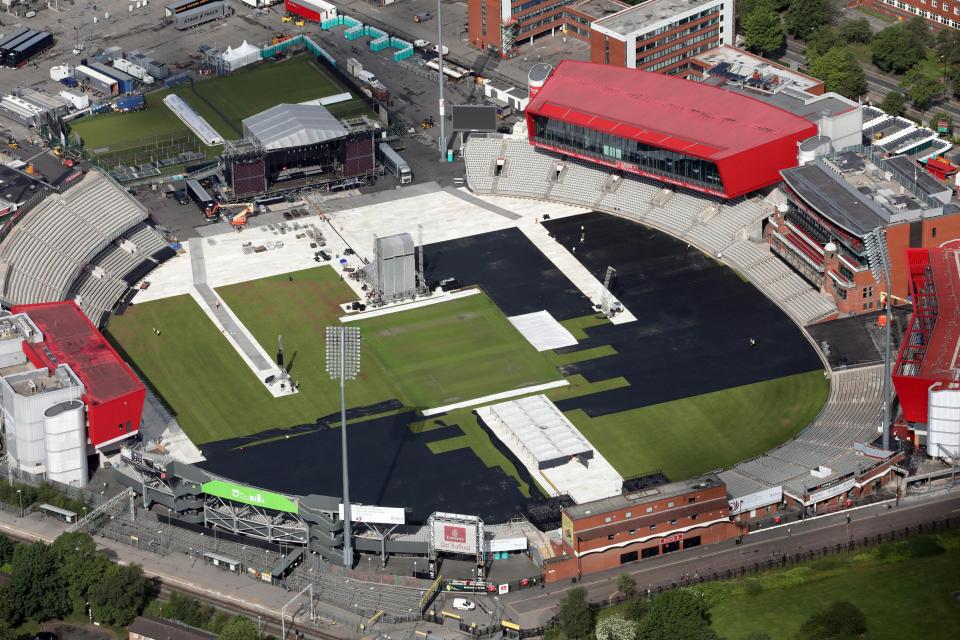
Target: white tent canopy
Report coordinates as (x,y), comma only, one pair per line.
(241,56)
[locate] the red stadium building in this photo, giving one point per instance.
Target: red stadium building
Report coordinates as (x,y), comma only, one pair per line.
(927,373)
(113,394)
(662,127)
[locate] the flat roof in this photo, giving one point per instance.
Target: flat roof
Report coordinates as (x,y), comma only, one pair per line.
(859,198)
(799,103)
(539,427)
(70,338)
(18,187)
(643,16)
(660,492)
(158,629)
(732,64)
(599,9)
(663,111)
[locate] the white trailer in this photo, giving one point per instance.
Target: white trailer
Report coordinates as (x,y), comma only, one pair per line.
(77,100)
(60,72)
(134,70)
(394,164)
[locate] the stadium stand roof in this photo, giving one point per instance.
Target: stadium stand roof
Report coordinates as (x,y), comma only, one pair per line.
(293,125)
(17,187)
(70,338)
(663,111)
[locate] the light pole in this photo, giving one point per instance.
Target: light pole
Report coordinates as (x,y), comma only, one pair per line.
(343,361)
(876,246)
(20,496)
(443,139)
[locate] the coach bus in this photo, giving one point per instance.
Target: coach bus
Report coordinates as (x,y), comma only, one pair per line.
(207,204)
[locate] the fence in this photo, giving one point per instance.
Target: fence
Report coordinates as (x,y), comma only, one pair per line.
(753,568)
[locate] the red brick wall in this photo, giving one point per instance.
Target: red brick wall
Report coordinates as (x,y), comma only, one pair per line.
(618,49)
(945,9)
(475,23)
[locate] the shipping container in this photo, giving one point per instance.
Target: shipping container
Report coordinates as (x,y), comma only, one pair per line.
(19,55)
(125,83)
(99,81)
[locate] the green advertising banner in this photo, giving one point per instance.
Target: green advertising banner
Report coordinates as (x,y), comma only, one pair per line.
(249,495)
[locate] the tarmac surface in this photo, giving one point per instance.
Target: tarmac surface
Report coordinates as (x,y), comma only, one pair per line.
(858,340)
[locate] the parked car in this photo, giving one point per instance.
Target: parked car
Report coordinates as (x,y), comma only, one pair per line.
(436,49)
(423,17)
(462,604)
(421,44)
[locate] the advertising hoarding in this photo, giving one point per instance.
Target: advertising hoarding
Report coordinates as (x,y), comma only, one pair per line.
(374,514)
(756,500)
(455,537)
(250,495)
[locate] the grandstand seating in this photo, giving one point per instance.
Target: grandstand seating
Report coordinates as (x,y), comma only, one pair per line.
(53,252)
(720,231)
(851,414)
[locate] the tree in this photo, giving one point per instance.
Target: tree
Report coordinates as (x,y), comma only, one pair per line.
(840,621)
(616,628)
(6,550)
(947,46)
(805,16)
(37,589)
(626,584)
(637,609)
(924,92)
(763,31)
(6,633)
(896,49)
(858,30)
(746,7)
(822,40)
(677,615)
(81,566)
(918,27)
(757,635)
(840,72)
(894,103)
(576,616)
(120,595)
(187,610)
(239,628)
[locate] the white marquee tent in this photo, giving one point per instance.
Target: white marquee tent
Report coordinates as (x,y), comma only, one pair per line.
(241,56)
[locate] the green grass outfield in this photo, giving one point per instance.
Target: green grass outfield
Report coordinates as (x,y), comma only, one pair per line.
(694,435)
(436,355)
(237,96)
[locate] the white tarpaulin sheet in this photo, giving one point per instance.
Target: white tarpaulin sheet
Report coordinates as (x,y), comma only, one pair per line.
(543,331)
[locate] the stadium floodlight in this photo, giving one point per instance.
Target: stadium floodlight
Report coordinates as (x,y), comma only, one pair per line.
(343,363)
(878,255)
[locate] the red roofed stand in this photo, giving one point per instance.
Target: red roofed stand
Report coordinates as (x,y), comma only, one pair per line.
(727,143)
(114,394)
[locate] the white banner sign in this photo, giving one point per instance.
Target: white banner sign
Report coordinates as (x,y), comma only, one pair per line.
(826,494)
(374,514)
(503,588)
(505,544)
(455,537)
(756,500)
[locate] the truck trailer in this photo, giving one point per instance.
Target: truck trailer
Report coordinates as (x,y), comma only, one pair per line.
(19,55)
(201,15)
(101,82)
(394,164)
(13,43)
(125,83)
(19,33)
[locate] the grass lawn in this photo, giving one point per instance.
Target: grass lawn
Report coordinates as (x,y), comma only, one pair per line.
(693,435)
(423,357)
(293,80)
(890,584)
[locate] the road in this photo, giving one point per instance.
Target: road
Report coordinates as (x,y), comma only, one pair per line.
(531,608)
(879,84)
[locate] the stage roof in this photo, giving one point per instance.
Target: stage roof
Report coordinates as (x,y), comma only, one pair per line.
(663,111)
(293,125)
(70,338)
(541,429)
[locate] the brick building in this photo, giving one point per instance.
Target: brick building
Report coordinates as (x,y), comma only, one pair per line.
(605,534)
(503,25)
(940,12)
(833,203)
(662,35)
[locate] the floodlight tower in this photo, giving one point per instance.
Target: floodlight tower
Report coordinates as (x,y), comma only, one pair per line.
(877,253)
(343,362)
(443,139)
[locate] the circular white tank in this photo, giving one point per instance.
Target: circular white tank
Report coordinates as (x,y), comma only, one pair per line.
(66,439)
(811,148)
(943,423)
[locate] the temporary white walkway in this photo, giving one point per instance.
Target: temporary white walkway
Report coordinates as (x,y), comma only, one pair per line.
(504,395)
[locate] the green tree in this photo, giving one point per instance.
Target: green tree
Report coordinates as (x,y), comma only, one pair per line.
(746,7)
(918,27)
(840,621)
(677,615)
(6,550)
(81,566)
(822,40)
(763,31)
(616,628)
(947,46)
(858,30)
(217,622)
(239,628)
(896,49)
(37,589)
(6,633)
(120,595)
(805,16)
(576,616)
(840,72)
(637,609)
(187,610)
(894,103)
(757,635)
(925,92)
(626,584)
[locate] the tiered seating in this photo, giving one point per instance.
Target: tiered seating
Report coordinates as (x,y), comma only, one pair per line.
(682,214)
(402,598)
(57,239)
(97,296)
(146,238)
(851,414)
